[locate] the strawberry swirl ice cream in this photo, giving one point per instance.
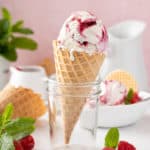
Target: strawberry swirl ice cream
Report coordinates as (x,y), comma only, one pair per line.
(113,93)
(83,32)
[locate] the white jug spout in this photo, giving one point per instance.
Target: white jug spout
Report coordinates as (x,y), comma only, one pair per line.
(126,30)
(14,69)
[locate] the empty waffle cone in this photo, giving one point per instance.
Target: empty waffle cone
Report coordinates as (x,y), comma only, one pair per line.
(84,68)
(48,65)
(26,103)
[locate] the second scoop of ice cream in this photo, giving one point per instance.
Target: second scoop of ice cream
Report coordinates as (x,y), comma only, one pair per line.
(83,32)
(113,92)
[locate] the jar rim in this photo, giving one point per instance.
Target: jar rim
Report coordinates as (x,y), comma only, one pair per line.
(82,84)
(54,88)
(52,80)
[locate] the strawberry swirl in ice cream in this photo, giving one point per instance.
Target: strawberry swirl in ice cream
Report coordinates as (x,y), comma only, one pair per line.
(83,32)
(113,93)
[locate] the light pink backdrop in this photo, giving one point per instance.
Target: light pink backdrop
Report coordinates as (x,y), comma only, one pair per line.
(47,16)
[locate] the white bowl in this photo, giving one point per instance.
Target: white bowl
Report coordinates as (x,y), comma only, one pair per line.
(115,116)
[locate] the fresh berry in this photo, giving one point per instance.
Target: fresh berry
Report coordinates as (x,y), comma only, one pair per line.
(123,145)
(132,97)
(136,98)
(27,142)
(108,148)
(18,145)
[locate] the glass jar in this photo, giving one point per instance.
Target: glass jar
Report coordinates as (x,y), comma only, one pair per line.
(67,106)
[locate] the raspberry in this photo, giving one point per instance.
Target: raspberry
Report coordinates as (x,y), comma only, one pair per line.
(123,145)
(18,145)
(135,98)
(27,142)
(108,148)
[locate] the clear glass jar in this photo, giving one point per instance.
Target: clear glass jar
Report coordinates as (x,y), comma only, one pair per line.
(67,106)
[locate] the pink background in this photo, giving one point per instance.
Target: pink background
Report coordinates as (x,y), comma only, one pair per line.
(47,16)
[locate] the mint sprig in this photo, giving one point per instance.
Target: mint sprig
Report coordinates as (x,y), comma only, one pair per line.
(13,129)
(6,142)
(5,117)
(112,138)
(129,96)
(20,127)
(14,36)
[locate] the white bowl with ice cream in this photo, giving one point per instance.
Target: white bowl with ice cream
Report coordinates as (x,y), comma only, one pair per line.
(115,115)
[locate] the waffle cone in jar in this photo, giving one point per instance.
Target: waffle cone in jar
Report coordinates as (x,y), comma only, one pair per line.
(84,68)
(26,103)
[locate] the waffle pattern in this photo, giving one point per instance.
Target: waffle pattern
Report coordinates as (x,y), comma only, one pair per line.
(124,77)
(83,69)
(25,102)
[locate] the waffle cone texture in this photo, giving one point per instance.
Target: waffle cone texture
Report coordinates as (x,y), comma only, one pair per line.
(26,103)
(84,68)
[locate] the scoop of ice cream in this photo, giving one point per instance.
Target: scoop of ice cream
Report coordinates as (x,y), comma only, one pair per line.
(113,92)
(83,32)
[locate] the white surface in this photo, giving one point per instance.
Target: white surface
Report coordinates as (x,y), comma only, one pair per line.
(115,116)
(137,134)
(75,147)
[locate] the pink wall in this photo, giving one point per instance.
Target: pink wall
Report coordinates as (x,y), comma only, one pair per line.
(47,16)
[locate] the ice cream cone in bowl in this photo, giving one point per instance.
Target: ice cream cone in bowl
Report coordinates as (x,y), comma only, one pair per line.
(79,55)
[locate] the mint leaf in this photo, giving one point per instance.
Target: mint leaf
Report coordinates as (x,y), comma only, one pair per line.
(9,40)
(1,126)
(23,30)
(17,25)
(129,96)
(20,127)
(15,129)
(112,138)
(6,14)
(6,142)
(7,114)
(4,27)
(5,117)
(9,52)
(24,43)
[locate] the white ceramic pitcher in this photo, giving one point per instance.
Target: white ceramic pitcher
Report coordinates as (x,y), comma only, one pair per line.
(125,44)
(29,77)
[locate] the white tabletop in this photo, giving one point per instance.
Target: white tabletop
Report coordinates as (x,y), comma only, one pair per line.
(137,134)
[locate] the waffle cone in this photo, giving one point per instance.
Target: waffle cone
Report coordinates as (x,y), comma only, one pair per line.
(48,65)
(84,68)
(26,103)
